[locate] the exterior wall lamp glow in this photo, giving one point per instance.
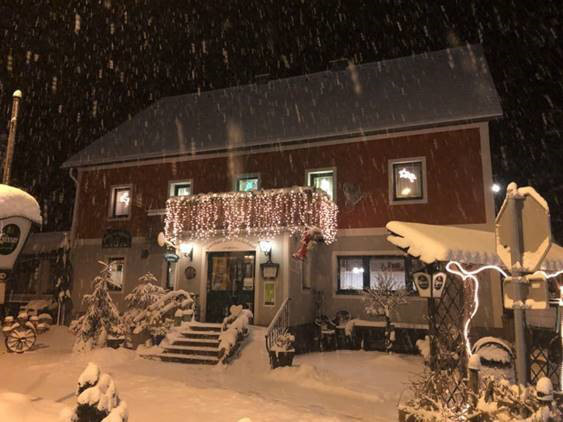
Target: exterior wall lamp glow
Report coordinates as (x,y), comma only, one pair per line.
(187,250)
(266,247)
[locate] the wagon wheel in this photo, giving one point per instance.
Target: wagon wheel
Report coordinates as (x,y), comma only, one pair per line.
(20,339)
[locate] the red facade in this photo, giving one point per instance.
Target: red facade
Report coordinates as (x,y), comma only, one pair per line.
(454,181)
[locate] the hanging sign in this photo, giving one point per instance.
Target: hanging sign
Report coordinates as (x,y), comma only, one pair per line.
(116,239)
(13,234)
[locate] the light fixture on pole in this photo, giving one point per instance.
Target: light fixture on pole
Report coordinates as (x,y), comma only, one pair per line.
(187,249)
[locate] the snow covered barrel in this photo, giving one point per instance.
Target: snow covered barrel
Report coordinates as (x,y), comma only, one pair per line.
(18,211)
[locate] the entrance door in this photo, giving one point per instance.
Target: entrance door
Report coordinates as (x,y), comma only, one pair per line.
(230,281)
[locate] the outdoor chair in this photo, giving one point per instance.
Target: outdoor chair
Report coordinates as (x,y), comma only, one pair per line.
(327,333)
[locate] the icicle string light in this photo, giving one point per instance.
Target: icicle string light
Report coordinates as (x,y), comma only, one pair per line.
(263,214)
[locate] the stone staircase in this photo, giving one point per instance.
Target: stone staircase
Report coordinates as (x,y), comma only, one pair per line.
(192,342)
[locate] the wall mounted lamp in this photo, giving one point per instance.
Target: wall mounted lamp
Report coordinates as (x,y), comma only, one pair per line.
(187,250)
(266,247)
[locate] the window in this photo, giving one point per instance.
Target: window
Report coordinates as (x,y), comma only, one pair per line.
(323,180)
(407,181)
(117,268)
(180,188)
(356,273)
(120,202)
(247,183)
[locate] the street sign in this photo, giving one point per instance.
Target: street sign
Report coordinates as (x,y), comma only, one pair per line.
(523,231)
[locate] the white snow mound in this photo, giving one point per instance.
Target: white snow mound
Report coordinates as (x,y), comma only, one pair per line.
(15,202)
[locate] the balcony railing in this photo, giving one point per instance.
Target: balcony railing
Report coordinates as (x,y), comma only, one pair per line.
(262,214)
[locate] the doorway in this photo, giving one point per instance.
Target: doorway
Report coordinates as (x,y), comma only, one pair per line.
(230,281)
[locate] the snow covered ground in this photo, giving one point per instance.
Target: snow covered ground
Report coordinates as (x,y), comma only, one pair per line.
(332,386)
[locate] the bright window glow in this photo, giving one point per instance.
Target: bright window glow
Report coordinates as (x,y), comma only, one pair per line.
(247,184)
(121,202)
(180,188)
(357,270)
(407,180)
(323,180)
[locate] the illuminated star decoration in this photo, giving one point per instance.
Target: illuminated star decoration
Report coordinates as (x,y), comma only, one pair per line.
(124,198)
(405,174)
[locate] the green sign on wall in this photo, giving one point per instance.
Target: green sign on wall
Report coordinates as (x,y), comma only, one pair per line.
(9,239)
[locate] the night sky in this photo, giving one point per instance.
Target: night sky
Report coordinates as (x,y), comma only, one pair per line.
(86,66)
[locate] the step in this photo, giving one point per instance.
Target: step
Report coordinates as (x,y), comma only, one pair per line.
(213,335)
(191,350)
(204,342)
(191,359)
(207,327)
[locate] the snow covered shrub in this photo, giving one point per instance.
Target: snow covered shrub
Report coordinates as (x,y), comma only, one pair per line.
(384,296)
(235,328)
(97,398)
(101,318)
(147,293)
(158,318)
(284,342)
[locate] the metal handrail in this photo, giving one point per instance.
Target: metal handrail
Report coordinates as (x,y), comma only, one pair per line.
(279,324)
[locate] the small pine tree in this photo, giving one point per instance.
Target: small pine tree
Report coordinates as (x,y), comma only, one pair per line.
(101,318)
(97,398)
(382,299)
(147,293)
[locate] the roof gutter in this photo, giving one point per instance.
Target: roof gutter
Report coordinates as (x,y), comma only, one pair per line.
(74,226)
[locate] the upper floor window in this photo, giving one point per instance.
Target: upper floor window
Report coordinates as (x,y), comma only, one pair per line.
(323,180)
(356,273)
(180,188)
(247,183)
(120,202)
(117,270)
(407,181)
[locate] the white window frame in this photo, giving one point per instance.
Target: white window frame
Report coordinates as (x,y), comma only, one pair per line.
(391,176)
(247,176)
(310,172)
(124,258)
(113,189)
(173,183)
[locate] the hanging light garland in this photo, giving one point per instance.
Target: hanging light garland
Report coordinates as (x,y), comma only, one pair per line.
(263,214)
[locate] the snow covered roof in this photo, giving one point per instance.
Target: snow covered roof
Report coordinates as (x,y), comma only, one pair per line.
(46,242)
(432,243)
(15,202)
(435,88)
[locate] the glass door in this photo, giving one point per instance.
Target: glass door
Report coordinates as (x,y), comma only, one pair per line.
(230,281)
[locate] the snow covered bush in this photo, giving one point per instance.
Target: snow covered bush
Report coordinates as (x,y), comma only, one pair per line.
(158,318)
(284,342)
(147,293)
(101,318)
(97,398)
(384,296)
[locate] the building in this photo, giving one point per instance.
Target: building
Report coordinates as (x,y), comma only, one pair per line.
(403,139)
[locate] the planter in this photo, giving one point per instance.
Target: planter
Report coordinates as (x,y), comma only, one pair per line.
(278,359)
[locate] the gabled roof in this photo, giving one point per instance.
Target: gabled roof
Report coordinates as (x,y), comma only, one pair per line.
(437,88)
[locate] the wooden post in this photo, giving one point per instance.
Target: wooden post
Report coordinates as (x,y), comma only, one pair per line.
(11,138)
(474,367)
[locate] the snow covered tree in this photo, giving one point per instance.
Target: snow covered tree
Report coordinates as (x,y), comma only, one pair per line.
(101,318)
(97,398)
(382,298)
(144,295)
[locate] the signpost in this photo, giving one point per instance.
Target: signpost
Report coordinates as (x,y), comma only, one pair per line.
(523,238)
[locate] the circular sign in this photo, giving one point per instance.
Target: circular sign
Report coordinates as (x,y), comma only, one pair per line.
(423,281)
(438,281)
(190,272)
(9,239)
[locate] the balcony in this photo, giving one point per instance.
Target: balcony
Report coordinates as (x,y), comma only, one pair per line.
(262,214)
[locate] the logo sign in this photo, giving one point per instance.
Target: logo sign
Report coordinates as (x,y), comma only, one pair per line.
(422,282)
(438,282)
(9,239)
(171,257)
